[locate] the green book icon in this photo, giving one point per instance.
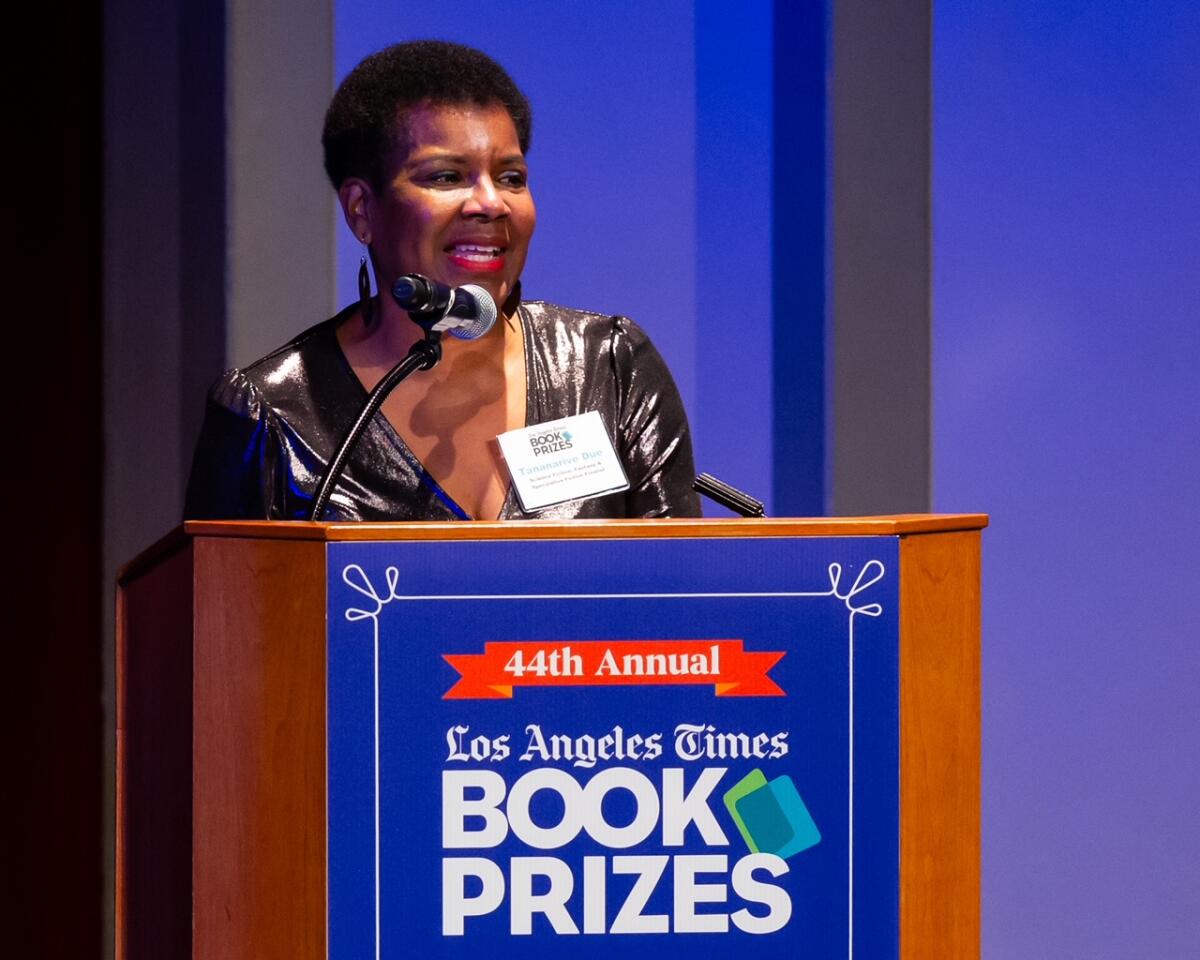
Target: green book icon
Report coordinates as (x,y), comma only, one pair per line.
(771,816)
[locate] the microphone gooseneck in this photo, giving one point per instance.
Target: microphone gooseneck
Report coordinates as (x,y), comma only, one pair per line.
(466,312)
(423,355)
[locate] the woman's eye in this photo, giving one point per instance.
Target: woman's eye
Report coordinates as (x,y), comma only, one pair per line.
(445,177)
(513,178)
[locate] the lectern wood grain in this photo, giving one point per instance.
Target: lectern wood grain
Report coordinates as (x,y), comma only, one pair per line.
(939,746)
(154,761)
(260,685)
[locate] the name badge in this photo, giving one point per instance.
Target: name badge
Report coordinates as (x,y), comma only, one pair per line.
(567,459)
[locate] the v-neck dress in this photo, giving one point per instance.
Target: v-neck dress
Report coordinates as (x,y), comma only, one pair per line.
(271,428)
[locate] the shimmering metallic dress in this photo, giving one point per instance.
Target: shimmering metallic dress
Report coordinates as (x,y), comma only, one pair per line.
(270,429)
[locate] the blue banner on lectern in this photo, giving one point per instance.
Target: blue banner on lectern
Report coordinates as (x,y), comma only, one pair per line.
(663,747)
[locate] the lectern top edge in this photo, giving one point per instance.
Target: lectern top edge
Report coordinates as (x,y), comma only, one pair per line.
(899,524)
(889,525)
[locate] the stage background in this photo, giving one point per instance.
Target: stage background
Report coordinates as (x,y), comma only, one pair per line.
(1067,405)
(1020,313)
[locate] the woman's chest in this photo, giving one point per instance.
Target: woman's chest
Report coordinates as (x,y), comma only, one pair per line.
(450,417)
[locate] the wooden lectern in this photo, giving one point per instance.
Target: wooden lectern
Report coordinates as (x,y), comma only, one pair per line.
(249,823)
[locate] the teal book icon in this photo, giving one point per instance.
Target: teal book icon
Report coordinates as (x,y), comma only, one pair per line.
(771,816)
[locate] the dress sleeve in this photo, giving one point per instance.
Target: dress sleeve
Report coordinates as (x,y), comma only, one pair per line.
(233,469)
(656,445)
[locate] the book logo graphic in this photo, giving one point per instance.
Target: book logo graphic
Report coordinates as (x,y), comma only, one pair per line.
(770,816)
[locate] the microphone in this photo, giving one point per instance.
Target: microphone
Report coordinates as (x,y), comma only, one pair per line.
(466,312)
(732,498)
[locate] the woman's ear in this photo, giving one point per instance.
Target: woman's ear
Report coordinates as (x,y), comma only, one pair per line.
(356,199)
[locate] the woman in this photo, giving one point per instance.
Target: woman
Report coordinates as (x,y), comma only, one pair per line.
(425,144)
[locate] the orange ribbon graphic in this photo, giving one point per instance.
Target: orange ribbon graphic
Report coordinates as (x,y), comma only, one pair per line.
(732,671)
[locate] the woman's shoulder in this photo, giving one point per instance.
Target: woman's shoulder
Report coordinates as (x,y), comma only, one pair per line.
(592,351)
(275,379)
(556,322)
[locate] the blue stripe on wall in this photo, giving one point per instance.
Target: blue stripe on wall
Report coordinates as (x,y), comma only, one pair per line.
(799,186)
(731,415)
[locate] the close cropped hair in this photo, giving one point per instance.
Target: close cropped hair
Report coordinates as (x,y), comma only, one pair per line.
(364,119)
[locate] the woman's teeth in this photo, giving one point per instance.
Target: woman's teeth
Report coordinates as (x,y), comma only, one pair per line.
(472,252)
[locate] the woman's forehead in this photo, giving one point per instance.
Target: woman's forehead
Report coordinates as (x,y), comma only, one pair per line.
(466,128)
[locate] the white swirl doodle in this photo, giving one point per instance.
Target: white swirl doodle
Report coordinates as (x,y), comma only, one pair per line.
(871,573)
(355,577)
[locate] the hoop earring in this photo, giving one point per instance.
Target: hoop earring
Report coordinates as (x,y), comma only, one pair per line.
(365,304)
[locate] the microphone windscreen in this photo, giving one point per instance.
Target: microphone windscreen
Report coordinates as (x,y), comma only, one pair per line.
(481,319)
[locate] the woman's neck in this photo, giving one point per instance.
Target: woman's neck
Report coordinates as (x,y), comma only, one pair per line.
(375,348)
(449,416)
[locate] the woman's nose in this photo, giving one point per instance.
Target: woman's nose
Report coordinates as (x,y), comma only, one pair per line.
(485,200)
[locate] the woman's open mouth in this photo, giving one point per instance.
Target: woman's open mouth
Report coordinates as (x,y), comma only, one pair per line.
(475,256)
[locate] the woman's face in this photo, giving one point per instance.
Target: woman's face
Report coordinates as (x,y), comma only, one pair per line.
(457,207)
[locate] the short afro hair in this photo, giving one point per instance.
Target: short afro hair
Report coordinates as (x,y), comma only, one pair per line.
(361,123)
